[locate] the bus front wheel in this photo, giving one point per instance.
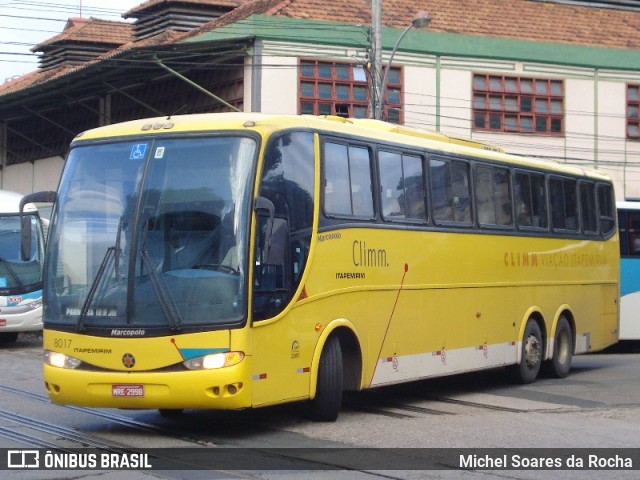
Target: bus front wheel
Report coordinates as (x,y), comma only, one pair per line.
(531,355)
(325,407)
(170,412)
(8,338)
(560,364)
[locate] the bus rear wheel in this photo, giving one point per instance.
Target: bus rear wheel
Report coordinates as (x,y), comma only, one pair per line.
(326,405)
(531,355)
(560,364)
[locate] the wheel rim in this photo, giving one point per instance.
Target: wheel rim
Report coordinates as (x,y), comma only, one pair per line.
(532,351)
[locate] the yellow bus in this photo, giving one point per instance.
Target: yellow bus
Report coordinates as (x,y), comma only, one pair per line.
(227,261)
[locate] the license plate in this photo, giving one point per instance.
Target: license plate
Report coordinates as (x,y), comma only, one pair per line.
(127,390)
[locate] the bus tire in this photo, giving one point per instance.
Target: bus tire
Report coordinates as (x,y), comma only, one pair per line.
(531,355)
(326,405)
(170,412)
(8,338)
(560,364)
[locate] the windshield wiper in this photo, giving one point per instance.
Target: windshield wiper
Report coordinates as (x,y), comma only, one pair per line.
(12,273)
(164,297)
(94,287)
(112,252)
(118,250)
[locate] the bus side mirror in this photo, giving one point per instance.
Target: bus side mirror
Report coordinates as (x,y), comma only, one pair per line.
(25,220)
(271,283)
(271,243)
(25,239)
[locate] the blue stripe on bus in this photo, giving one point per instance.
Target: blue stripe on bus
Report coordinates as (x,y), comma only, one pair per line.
(629,275)
(189,353)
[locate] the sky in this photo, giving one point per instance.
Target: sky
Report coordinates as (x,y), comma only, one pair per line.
(26,23)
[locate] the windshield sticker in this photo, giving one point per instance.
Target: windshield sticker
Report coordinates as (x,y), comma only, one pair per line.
(138,151)
(3,282)
(92,312)
(159,152)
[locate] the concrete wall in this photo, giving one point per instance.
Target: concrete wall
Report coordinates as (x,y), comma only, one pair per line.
(29,177)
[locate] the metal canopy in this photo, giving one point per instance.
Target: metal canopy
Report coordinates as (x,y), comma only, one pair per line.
(123,71)
(43,118)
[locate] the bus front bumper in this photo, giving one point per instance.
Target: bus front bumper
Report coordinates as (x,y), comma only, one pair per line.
(224,388)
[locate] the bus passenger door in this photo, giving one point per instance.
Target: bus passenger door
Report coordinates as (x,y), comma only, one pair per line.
(282,336)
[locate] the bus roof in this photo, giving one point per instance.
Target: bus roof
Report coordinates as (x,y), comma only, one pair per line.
(367,128)
(10,202)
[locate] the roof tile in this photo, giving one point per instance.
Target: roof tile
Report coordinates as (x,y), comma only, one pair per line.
(517,19)
(92,30)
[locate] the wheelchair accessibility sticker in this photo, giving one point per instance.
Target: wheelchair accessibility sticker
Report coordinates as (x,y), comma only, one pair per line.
(138,151)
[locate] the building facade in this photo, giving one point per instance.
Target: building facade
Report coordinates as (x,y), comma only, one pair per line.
(559,81)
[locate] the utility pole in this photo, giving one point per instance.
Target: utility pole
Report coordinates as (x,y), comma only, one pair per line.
(378,86)
(376,65)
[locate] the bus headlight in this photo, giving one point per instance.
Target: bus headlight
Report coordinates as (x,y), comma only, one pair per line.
(34,305)
(60,360)
(214,360)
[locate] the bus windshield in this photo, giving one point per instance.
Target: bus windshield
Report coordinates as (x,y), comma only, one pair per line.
(152,235)
(18,276)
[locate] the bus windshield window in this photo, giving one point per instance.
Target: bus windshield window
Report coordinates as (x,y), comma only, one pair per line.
(16,275)
(152,234)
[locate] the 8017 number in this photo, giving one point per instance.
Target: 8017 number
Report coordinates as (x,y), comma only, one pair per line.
(61,343)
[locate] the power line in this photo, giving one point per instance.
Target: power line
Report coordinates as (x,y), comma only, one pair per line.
(452,122)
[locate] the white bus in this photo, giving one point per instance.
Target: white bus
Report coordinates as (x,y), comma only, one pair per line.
(629,224)
(20,271)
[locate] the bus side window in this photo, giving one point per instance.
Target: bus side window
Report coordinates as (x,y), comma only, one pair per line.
(347,181)
(530,200)
(588,207)
(564,215)
(361,185)
(606,208)
(402,186)
(631,233)
(450,189)
(493,196)
(624,234)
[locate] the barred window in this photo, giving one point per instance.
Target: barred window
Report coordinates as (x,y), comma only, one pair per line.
(342,89)
(518,105)
(633,107)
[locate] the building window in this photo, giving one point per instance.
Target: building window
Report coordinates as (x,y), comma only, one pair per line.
(333,88)
(518,105)
(633,107)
